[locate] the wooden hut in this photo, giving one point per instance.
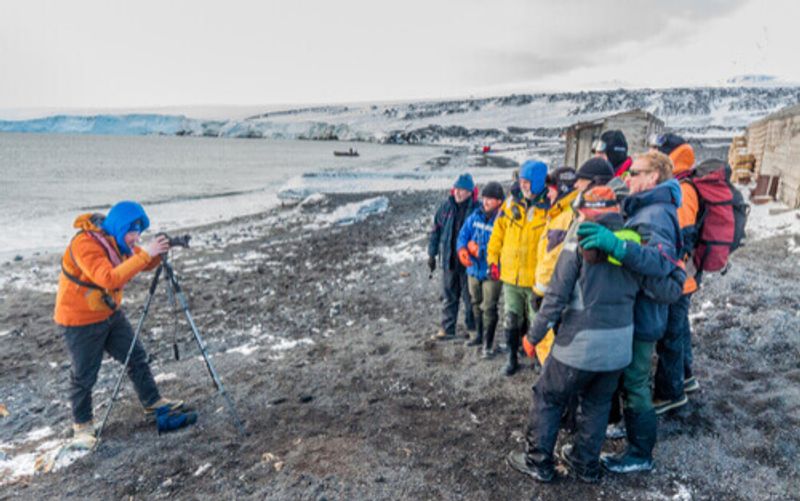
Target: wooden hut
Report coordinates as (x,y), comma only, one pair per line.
(774,143)
(637,125)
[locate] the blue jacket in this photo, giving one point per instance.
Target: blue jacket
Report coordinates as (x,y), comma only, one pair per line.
(652,214)
(442,239)
(478,227)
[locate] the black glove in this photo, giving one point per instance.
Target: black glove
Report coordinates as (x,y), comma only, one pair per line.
(432,263)
(536,302)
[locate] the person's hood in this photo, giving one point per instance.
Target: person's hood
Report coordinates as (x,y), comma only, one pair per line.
(668,192)
(120,220)
(682,158)
(89,222)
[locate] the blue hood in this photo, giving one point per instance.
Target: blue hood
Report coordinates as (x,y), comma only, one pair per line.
(124,217)
(668,192)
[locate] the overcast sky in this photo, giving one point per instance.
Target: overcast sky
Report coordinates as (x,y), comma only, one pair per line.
(105,53)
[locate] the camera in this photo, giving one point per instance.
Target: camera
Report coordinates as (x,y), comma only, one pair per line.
(178,241)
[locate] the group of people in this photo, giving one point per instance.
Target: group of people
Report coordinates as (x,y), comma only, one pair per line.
(594,267)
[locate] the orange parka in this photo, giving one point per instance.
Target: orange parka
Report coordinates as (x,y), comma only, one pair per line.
(87,260)
(683,160)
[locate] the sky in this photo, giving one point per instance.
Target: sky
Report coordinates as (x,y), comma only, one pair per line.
(145,54)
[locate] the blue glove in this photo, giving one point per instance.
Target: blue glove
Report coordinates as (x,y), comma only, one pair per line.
(168,419)
(597,236)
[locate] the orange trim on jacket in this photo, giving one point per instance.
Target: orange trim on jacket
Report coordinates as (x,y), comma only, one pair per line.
(77,305)
(683,160)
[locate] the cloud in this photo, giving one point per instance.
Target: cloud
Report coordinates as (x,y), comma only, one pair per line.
(572,35)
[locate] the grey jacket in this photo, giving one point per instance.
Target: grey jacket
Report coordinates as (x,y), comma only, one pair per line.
(590,306)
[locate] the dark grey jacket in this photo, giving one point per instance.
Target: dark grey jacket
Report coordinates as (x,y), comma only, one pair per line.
(591,308)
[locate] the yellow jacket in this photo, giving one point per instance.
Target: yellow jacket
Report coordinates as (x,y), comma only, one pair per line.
(514,241)
(551,241)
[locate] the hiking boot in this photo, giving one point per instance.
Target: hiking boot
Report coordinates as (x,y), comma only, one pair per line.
(625,463)
(512,366)
(663,406)
(477,340)
(517,461)
(487,353)
(83,435)
(691,385)
(616,431)
(163,402)
(584,474)
(441,335)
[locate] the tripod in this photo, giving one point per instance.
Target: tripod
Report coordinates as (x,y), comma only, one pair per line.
(175,291)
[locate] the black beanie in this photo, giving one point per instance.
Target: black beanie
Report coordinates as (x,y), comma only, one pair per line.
(493,190)
(666,143)
(616,147)
(596,169)
(563,179)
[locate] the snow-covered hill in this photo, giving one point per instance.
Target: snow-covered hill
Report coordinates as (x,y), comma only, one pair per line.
(702,113)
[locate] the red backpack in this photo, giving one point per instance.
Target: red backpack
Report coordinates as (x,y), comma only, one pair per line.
(722,216)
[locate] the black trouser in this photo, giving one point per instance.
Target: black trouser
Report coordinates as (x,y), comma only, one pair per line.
(86,344)
(551,395)
(454,288)
(671,351)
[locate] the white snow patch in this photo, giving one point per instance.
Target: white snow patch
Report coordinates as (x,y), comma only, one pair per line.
(22,465)
(245,349)
(355,212)
(5,333)
(760,224)
(38,434)
(169,376)
(15,467)
(313,199)
(202,469)
(405,251)
(289,344)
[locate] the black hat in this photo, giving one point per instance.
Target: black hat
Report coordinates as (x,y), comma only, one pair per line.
(615,146)
(563,179)
(666,143)
(596,169)
(493,190)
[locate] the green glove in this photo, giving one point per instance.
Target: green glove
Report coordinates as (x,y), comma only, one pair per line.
(596,236)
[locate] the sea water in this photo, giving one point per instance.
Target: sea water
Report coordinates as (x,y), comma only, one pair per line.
(47,180)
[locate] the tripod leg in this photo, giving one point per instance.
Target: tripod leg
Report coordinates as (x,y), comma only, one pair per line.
(139,325)
(178,292)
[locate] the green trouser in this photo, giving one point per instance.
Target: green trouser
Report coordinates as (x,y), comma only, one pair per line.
(636,378)
(518,301)
(484,295)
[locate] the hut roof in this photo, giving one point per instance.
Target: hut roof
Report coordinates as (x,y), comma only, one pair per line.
(599,121)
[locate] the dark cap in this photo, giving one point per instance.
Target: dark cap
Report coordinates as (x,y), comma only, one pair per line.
(616,147)
(493,189)
(596,169)
(563,179)
(666,143)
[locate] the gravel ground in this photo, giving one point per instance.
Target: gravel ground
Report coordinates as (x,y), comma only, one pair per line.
(320,333)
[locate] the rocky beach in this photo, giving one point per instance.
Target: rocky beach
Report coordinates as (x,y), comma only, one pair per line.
(318,318)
